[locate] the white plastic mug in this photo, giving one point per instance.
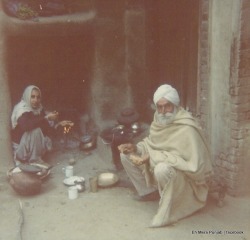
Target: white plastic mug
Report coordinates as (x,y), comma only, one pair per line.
(68,171)
(72,192)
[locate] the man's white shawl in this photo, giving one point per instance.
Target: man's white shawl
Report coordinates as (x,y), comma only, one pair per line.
(182,146)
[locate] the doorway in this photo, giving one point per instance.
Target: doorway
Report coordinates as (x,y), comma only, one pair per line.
(172,47)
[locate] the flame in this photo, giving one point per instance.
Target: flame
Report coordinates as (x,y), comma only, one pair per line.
(66,129)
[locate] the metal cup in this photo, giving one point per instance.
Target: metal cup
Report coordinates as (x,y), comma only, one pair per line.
(68,171)
(93,184)
(72,192)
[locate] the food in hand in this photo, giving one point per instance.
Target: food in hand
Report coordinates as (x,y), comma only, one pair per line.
(137,160)
(127,148)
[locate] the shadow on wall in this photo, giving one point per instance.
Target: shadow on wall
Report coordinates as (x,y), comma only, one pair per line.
(59,65)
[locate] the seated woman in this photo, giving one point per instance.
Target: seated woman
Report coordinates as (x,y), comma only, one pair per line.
(31,127)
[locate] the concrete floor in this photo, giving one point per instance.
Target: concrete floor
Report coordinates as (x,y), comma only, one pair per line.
(110,213)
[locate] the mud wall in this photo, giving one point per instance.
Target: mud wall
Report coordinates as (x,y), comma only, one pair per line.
(50,53)
(119,73)
(5,149)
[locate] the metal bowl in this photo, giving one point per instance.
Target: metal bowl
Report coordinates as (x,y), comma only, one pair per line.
(107,179)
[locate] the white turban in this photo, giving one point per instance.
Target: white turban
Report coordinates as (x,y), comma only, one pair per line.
(168,92)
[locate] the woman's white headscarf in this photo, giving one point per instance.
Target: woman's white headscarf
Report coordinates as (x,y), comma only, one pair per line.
(24,105)
(168,92)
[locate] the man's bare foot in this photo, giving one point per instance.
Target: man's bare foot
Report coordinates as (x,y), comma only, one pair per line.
(139,160)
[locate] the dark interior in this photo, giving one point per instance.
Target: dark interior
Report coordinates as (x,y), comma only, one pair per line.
(62,65)
(59,65)
(172,46)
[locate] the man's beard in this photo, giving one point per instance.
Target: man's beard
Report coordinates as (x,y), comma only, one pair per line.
(165,119)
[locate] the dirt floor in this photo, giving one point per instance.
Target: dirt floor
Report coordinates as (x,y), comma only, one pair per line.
(110,213)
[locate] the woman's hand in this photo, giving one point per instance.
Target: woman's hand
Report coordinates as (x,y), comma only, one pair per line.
(127,148)
(52,116)
(65,123)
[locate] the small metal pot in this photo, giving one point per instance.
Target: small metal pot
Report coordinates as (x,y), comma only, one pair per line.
(87,142)
(135,127)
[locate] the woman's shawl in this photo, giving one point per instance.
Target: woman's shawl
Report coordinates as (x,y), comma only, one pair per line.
(24,106)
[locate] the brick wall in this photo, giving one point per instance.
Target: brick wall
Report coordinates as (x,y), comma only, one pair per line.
(230,165)
(203,72)
(240,108)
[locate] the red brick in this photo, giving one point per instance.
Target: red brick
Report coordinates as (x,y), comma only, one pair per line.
(235,168)
(204,79)
(236,143)
(235,124)
(222,156)
(244,59)
(245,44)
(239,91)
(245,4)
(245,31)
(238,134)
(204,16)
(232,183)
(233,176)
(235,99)
(243,81)
(248,115)
(240,108)
(244,72)
(233,159)
(218,162)
(204,26)
(233,192)
(204,60)
(236,153)
(238,116)
(205,6)
(204,52)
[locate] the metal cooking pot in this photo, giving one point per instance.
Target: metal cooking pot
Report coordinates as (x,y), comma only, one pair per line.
(87,142)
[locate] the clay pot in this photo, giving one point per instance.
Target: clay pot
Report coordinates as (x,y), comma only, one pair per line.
(25,183)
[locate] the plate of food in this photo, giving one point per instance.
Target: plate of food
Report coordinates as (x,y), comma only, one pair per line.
(42,173)
(71,181)
(29,168)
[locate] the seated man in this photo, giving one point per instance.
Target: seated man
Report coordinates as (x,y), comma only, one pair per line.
(173,162)
(31,127)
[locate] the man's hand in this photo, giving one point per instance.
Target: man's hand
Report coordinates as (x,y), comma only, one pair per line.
(139,160)
(127,148)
